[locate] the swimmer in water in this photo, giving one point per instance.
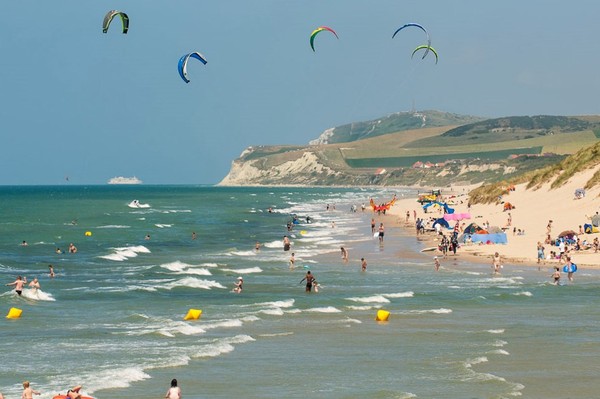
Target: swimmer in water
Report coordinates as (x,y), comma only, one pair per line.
(238,285)
(34,285)
(28,392)
(51,271)
(18,283)
(292,261)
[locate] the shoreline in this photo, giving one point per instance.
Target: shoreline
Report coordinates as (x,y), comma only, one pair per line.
(529,215)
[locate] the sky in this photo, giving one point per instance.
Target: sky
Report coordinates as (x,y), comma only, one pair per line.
(78,103)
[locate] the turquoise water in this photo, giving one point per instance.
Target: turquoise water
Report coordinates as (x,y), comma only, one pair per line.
(112,318)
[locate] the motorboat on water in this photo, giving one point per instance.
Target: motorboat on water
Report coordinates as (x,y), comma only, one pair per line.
(136,204)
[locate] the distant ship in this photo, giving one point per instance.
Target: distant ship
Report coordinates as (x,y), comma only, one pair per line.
(124,180)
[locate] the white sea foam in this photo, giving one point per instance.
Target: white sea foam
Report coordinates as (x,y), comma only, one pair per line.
(497,331)
(244,271)
(523,293)
(283,334)
(241,253)
(470,362)
(274,244)
(113,226)
(361,307)
(37,295)
(273,311)
(434,311)
(184,268)
(499,343)
(325,309)
(192,282)
(370,299)
(230,323)
(221,346)
(162,226)
(110,378)
(499,352)
(114,257)
(407,294)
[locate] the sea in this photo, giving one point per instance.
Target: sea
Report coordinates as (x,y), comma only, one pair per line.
(112,319)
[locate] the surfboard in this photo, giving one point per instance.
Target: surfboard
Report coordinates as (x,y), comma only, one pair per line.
(429,249)
(375,235)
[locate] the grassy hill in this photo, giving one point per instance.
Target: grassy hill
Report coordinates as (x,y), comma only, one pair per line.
(393,123)
(490,150)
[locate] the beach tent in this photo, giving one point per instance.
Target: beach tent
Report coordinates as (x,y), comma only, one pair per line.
(442,222)
(497,238)
(508,206)
(472,228)
(589,229)
(495,229)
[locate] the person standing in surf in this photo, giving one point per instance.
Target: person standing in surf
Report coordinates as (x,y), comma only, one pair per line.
(309,278)
(381,232)
(18,283)
(286,243)
(174,392)
(363,264)
(496,263)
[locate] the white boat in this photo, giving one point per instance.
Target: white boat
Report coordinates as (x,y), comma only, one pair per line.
(136,204)
(124,180)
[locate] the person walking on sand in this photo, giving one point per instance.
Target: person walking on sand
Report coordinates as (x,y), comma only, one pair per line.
(174,392)
(496,263)
(28,392)
(18,283)
(436,263)
(363,264)
(541,257)
(309,278)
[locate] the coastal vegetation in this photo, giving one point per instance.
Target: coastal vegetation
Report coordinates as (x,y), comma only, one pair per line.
(482,150)
(556,174)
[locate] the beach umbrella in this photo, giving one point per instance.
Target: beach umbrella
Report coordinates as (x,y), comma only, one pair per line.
(567,233)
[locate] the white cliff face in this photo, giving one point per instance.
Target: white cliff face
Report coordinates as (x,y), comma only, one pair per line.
(304,170)
(323,138)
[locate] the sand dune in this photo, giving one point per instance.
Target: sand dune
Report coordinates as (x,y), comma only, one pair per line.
(533,210)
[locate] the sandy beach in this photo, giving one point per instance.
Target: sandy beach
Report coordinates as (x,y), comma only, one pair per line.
(533,210)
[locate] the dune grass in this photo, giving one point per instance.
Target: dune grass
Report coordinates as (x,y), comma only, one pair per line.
(558,174)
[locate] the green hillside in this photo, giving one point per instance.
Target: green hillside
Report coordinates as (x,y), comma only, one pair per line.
(489,150)
(396,122)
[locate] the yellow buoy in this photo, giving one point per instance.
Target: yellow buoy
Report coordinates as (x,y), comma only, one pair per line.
(382,315)
(14,313)
(193,314)
(88,233)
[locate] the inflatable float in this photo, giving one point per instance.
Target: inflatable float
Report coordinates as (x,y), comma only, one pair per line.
(14,313)
(570,268)
(382,315)
(66,397)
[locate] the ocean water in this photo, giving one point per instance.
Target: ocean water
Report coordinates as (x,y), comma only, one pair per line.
(112,318)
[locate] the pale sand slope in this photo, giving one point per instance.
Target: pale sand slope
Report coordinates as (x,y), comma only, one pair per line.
(534,208)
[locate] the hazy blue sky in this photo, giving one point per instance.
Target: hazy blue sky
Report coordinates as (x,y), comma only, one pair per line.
(76,102)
